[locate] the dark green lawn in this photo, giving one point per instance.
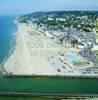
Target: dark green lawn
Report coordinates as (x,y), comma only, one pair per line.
(96,54)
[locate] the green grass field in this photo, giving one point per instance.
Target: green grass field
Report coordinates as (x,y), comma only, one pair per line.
(96,54)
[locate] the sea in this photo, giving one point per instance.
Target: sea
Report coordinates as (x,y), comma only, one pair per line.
(7,35)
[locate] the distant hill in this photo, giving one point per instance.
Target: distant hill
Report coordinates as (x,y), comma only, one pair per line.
(80,20)
(60,13)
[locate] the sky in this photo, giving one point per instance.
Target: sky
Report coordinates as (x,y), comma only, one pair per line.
(19,7)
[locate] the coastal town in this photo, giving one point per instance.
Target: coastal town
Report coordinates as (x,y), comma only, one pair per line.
(54,43)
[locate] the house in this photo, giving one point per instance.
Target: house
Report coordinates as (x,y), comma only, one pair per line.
(70,42)
(49,34)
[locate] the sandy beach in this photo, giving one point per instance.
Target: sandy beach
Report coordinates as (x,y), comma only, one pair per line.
(31,53)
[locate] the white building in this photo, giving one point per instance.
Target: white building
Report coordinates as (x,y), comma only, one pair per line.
(50,19)
(49,34)
(60,19)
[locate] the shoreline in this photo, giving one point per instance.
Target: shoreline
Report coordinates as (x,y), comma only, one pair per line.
(10,52)
(29,58)
(21,56)
(8,55)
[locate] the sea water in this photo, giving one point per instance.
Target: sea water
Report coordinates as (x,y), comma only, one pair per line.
(7,35)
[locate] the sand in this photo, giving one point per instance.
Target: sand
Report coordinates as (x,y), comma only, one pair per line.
(31,53)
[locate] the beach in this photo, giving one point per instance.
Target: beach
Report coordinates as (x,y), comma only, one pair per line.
(31,53)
